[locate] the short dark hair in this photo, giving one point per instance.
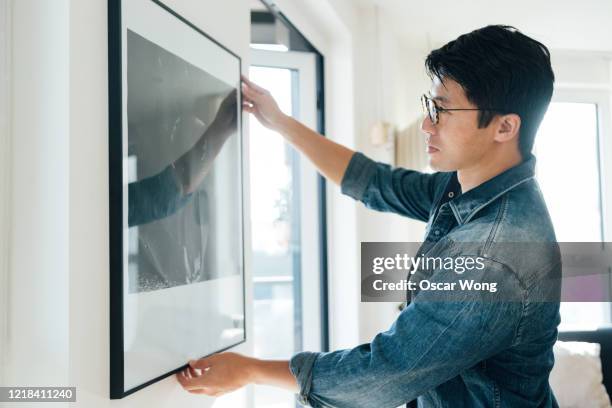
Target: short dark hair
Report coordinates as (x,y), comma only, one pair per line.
(499,68)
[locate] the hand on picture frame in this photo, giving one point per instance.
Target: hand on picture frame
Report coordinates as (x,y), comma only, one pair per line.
(216,375)
(226,372)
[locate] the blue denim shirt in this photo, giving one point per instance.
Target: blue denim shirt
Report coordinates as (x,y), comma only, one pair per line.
(465,352)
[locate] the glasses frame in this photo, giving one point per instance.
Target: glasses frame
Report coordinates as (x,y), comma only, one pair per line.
(431,109)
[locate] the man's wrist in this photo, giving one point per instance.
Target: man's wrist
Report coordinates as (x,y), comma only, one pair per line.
(254,370)
(284,125)
(271,372)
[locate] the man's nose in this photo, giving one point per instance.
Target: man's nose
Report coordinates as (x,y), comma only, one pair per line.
(427,126)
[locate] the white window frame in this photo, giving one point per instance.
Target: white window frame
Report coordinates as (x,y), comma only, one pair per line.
(304,64)
(601,98)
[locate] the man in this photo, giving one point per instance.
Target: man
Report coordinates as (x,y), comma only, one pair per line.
(490,90)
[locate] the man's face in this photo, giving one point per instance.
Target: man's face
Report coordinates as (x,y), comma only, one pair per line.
(455,142)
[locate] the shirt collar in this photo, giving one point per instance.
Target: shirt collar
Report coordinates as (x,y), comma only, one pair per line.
(465,206)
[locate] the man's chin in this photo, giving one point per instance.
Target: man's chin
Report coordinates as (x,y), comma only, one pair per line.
(434,164)
(439,165)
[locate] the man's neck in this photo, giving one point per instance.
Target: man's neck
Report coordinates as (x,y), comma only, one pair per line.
(474,176)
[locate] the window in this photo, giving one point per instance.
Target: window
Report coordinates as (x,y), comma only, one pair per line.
(568,170)
(285,224)
(287,217)
(571,169)
(275,223)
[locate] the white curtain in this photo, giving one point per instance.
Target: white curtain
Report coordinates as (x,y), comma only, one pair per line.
(410,148)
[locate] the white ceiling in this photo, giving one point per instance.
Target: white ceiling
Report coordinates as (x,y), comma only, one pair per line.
(559,24)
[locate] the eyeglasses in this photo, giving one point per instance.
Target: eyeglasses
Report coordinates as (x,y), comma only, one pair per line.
(431,109)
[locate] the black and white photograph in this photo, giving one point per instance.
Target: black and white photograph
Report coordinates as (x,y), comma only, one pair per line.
(179,118)
(176,215)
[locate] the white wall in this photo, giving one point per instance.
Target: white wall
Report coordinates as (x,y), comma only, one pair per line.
(563,24)
(37,317)
(386,69)
(58,321)
(582,69)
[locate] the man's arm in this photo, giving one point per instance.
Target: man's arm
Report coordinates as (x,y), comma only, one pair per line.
(155,197)
(330,158)
(225,372)
(431,342)
(165,193)
(402,191)
(378,186)
(193,166)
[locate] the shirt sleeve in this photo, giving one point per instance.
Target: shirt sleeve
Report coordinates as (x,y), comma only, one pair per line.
(154,198)
(380,187)
(430,343)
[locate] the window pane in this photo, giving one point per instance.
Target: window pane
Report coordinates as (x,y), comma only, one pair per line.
(568,173)
(275,237)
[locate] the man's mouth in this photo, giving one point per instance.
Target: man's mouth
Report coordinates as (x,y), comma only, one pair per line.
(432,149)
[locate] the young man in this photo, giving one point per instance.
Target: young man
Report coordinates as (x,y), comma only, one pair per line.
(490,90)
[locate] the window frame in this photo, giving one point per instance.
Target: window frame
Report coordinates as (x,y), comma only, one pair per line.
(308,284)
(601,98)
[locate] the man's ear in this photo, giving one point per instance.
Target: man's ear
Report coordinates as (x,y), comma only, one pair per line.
(508,127)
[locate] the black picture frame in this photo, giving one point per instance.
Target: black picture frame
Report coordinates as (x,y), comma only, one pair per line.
(117,216)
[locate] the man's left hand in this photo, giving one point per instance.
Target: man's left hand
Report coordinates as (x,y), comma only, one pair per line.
(217,375)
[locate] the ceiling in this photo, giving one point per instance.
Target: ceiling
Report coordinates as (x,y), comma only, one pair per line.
(560,24)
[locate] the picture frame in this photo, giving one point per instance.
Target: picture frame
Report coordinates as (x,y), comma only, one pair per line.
(176,217)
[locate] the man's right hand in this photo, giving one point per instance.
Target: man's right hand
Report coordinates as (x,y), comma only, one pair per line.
(330,158)
(260,103)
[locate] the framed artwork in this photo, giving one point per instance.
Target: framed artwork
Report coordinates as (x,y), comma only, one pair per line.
(176,201)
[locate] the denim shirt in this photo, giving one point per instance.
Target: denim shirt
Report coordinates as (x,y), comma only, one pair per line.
(465,352)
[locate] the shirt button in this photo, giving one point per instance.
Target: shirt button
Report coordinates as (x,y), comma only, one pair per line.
(437,232)
(451,194)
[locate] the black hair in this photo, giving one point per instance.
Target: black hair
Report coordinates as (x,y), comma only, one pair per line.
(500,69)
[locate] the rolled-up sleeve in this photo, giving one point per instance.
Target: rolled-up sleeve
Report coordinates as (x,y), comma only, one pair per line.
(429,343)
(383,188)
(301,368)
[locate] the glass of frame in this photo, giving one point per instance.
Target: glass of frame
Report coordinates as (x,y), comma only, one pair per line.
(176,199)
